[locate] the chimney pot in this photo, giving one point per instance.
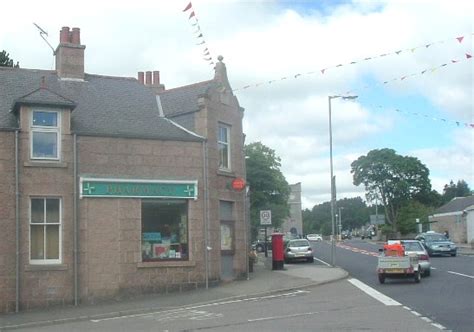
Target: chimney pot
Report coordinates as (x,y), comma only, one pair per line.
(148,78)
(156,78)
(76,36)
(64,35)
(141,77)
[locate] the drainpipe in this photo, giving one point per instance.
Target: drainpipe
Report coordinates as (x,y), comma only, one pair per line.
(75,223)
(17,223)
(206,210)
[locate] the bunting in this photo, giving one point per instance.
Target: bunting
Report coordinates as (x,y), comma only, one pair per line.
(426,116)
(324,70)
(194,22)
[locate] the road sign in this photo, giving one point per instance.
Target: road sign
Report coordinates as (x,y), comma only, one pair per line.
(265,217)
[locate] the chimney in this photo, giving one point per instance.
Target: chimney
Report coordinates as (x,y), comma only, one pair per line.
(151,80)
(70,54)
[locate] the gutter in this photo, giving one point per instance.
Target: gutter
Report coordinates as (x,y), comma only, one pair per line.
(207,248)
(75,222)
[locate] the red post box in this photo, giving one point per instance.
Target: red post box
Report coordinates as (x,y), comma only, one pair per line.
(277,251)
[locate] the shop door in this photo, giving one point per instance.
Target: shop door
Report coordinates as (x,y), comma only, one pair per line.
(227,240)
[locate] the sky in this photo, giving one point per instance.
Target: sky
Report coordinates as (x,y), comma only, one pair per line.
(282,61)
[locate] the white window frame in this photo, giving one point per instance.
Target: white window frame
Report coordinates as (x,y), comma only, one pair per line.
(46,129)
(227,144)
(46,261)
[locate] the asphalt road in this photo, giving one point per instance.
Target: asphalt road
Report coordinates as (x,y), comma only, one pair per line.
(446,297)
(320,308)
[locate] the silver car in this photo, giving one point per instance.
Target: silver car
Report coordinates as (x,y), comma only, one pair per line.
(415,246)
(298,249)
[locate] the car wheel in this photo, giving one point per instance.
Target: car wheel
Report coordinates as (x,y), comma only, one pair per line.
(381,278)
(417,276)
(427,273)
(311,260)
(259,248)
(453,254)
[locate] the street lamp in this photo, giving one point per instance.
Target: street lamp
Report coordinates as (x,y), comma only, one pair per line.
(333,180)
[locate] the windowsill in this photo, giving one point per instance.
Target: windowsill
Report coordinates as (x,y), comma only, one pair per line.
(166,264)
(224,172)
(52,164)
(46,267)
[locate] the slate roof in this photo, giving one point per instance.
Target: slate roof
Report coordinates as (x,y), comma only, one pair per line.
(45,97)
(106,106)
(456,205)
(183,100)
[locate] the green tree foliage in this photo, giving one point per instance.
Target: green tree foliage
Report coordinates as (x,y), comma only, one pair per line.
(5,60)
(269,189)
(451,190)
(391,178)
(409,213)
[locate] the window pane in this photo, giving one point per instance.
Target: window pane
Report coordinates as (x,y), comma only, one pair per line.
(52,210)
(37,210)
(223,156)
(52,242)
(164,230)
(45,144)
(222,134)
(49,119)
(37,242)
(225,210)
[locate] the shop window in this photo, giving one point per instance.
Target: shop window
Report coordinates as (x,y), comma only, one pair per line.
(45,135)
(45,231)
(223,142)
(164,230)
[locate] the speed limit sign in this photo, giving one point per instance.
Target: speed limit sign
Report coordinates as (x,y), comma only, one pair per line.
(265,217)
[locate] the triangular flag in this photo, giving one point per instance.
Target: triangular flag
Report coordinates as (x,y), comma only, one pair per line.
(200,35)
(472,125)
(398,52)
(413,49)
(424,71)
(201,43)
(367,58)
(460,39)
(468,56)
(457,123)
(339,65)
(296,76)
(353,62)
(208,59)
(403,78)
(454,61)
(187,7)
(192,14)
(207,53)
(323,70)
(427,45)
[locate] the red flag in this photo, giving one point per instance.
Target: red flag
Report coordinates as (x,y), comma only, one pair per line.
(468,56)
(187,7)
(192,14)
(460,39)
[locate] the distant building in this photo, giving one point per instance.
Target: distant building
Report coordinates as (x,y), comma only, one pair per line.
(294,223)
(456,217)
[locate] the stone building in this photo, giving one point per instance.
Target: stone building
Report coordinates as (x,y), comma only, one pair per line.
(113,186)
(294,223)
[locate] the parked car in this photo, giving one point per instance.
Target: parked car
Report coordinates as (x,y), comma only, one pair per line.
(298,249)
(314,237)
(437,244)
(416,247)
(260,244)
(369,232)
(346,236)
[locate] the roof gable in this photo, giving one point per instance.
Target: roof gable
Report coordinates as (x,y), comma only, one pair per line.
(43,96)
(457,204)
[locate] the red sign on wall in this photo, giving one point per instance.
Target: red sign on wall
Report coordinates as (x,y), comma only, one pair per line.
(238,184)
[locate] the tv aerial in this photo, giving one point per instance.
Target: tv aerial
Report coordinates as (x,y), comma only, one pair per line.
(43,34)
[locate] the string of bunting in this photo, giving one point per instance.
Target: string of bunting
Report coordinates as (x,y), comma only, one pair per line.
(323,71)
(467,57)
(193,20)
(427,116)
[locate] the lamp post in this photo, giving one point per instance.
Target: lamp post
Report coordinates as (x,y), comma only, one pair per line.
(333,180)
(340,222)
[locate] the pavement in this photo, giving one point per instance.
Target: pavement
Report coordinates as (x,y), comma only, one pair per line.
(262,281)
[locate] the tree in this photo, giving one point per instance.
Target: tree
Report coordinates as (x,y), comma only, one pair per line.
(5,60)
(460,189)
(391,178)
(268,188)
(408,215)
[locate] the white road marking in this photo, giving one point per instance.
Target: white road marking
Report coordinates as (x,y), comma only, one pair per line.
(416,313)
(280,317)
(439,326)
(372,292)
(460,274)
(213,304)
(319,260)
(426,319)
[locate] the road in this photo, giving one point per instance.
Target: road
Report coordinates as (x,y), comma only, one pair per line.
(320,308)
(447,296)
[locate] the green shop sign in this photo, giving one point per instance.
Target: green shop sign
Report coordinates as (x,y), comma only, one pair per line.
(94,187)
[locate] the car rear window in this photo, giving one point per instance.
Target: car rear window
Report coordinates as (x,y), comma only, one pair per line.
(300,243)
(412,246)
